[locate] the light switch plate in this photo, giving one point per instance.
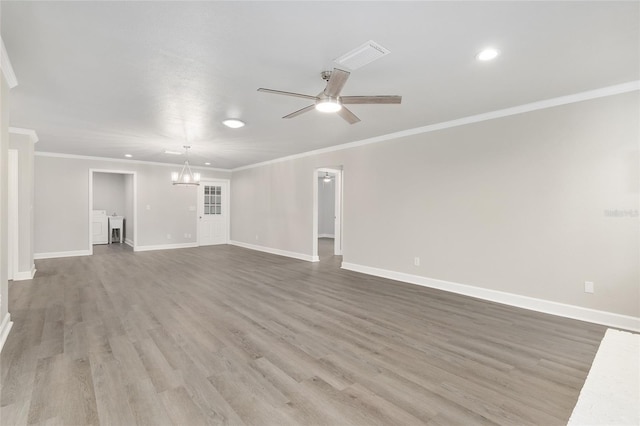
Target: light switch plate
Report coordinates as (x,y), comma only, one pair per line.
(589,287)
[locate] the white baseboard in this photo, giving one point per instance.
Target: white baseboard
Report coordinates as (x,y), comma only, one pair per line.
(279,252)
(128,242)
(166,247)
(540,305)
(25,275)
(326,236)
(5,328)
(53,255)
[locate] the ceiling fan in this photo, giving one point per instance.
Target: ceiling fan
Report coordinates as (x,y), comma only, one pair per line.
(329,100)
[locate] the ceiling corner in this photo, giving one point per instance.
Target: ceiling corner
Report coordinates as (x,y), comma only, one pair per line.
(7,69)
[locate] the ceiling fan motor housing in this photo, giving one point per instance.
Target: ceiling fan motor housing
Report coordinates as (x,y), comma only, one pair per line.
(329,100)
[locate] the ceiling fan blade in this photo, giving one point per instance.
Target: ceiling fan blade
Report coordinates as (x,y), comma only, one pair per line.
(383,99)
(336,82)
(348,115)
(300,111)
(280,92)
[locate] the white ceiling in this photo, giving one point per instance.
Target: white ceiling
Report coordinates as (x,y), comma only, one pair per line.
(109,78)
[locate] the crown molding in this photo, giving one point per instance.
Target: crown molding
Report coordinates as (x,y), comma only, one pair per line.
(534,106)
(118,160)
(27,132)
(7,69)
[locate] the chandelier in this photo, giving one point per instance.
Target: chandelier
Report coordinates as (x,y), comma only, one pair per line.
(186,177)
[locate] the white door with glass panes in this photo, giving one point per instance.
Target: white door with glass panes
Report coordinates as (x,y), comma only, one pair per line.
(213,212)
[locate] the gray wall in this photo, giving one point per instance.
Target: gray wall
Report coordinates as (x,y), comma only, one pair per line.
(326,206)
(163,209)
(272,206)
(24,145)
(4,196)
(515,204)
(109,193)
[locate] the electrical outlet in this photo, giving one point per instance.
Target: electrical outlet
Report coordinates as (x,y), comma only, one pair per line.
(257,237)
(186,235)
(148,207)
(416,261)
(589,287)
(168,236)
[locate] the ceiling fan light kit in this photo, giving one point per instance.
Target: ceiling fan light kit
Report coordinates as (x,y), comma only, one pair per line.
(330,99)
(328,105)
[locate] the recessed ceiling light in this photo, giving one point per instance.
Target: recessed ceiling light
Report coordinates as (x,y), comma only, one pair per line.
(207,164)
(172,152)
(128,155)
(487,54)
(234,123)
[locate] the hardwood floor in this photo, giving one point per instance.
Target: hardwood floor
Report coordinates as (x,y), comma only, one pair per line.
(225,335)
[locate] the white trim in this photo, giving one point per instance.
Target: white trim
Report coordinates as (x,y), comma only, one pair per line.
(27,132)
(338,216)
(5,328)
(165,247)
(539,305)
(25,275)
(128,242)
(7,69)
(338,226)
(13,214)
(57,254)
(534,106)
(279,252)
(315,205)
(124,160)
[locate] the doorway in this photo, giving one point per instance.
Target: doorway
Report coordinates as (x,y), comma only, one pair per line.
(327,217)
(213,212)
(112,193)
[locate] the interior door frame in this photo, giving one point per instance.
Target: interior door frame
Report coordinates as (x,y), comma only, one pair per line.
(13,217)
(226,208)
(135,203)
(338,241)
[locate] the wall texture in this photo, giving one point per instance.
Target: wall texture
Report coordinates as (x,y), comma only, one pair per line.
(62,203)
(520,204)
(109,193)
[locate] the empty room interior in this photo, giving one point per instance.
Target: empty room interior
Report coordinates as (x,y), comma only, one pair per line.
(320,213)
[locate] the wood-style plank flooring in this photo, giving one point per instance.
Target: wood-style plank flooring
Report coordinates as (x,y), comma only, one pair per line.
(225,335)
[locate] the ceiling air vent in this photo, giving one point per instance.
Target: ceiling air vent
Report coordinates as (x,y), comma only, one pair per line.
(362,55)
